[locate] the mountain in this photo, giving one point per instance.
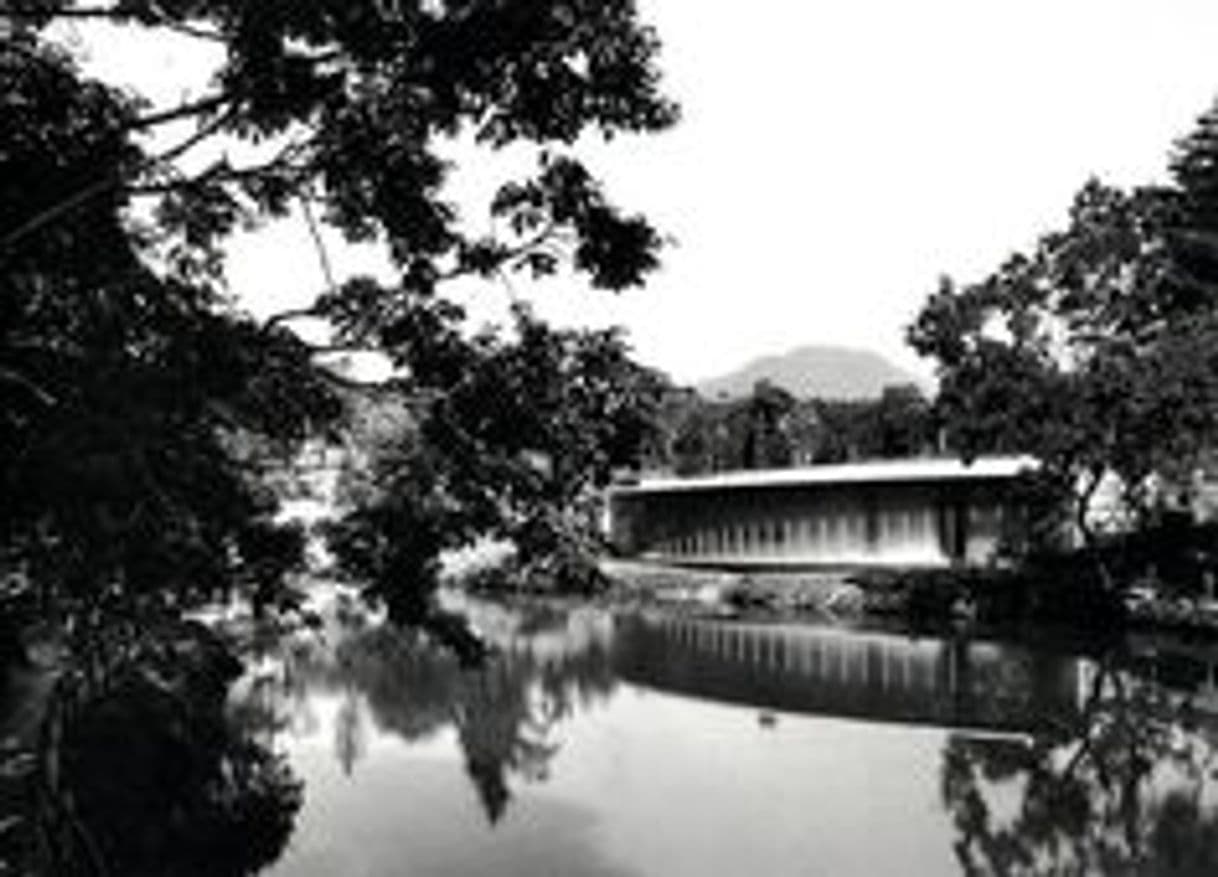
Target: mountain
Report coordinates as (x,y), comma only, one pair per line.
(815,371)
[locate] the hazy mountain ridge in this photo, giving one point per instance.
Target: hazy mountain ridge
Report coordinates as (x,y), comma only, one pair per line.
(814,371)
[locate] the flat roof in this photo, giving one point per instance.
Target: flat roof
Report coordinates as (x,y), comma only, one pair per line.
(872,472)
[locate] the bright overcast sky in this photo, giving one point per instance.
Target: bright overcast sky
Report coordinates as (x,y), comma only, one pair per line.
(835,158)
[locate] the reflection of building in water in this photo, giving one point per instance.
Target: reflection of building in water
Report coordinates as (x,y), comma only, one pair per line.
(861,674)
(899,512)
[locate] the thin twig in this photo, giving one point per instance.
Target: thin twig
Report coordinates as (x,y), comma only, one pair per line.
(319,245)
(222,173)
(190,142)
(181,111)
(164,19)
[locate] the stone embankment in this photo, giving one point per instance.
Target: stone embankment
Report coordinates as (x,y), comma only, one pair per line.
(989,596)
(824,593)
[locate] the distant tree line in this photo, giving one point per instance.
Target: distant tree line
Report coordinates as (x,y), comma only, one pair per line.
(771,428)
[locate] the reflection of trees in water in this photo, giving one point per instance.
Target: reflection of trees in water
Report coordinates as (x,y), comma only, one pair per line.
(350,731)
(505,713)
(146,774)
(1125,789)
(503,731)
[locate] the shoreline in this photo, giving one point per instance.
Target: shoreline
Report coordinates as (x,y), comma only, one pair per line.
(996,597)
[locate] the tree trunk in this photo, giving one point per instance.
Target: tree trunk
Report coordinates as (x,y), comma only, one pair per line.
(1082,508)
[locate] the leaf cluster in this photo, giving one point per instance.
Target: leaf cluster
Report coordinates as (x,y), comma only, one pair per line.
(510,441)
(126,395)
(141,408)
(1094,351)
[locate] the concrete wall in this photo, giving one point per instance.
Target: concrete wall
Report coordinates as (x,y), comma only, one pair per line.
(885,525)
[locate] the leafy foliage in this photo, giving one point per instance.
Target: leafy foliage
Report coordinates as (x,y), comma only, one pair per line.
(1096,350)
(140,408)
(139,405)
(512,439)
(126,394)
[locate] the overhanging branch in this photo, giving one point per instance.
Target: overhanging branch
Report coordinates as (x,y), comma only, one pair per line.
(107,184)
(182,111)
(288,316)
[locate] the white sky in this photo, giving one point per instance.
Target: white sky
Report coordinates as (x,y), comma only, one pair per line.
(835,158)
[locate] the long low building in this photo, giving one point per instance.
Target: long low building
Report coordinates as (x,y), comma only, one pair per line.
(918,512)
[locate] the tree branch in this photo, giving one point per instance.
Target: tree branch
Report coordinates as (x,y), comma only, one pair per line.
(223,174)
(345,382)
(507,256)
(15,377)
(190,142)
(332,349)
(319,245)
(15,10)
(152,14)
(182,111)
(164,19)
(55,211)
(294,314)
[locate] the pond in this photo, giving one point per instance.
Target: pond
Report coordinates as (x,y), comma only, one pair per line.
(650,742)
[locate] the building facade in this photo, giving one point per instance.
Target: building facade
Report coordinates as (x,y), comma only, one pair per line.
(924,512)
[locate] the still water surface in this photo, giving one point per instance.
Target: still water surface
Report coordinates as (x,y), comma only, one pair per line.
(605,742)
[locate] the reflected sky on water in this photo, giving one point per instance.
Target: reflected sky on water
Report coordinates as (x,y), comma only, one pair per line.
(647,743)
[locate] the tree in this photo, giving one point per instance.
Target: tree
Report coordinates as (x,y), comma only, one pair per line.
(903,425)
(898,424)
(770,428)
(762,422)
(1095,352)
(139,404)
(131,383)
(130,397)
(516,448)
(693,448)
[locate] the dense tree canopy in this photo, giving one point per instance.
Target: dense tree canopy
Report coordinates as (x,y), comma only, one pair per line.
(1097,350)
(129,397)
(138,398)
(512,448)
(772,429)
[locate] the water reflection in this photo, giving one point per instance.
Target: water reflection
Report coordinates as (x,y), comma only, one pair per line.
(141,773)
(1127,788)
(652,743)
(548,664)
(872,675)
